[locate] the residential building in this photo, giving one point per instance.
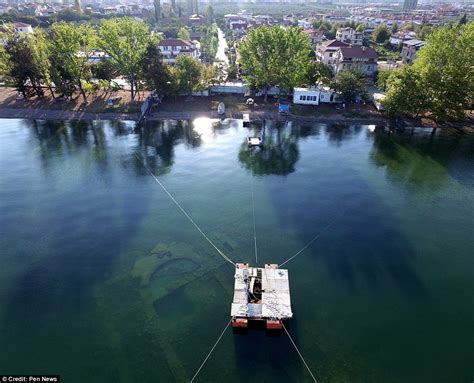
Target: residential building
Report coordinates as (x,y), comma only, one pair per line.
(315,36)
(409,50)
(306,96)
(350,36)
(326,51)
(172,48)
(22,28)
(362,59)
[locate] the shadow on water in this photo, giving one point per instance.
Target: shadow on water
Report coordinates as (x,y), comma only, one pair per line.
(421,160)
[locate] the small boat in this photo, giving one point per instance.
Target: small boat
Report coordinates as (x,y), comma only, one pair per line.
(246,120)
(254,141)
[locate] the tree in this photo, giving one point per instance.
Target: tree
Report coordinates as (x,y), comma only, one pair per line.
(70,48)
(155,74)
(405,93)
(445,65)
(104,70)
(360,28)
(381,34)
(463,20)
(188,73)
(157,6)
(77,6)
(424,32)
(273,56)
(210,13)
(394,28)
(382,78)
(183,33)
(126,41)
(349,84)
(25,61)
(319,72)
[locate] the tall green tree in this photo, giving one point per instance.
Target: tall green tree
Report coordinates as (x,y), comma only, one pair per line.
(273,56)
(349,84)
(381,34)
(446,67)
(70,48)
(463,20)
(405,94)
(157,7)
(394,28)
(183,33)
(126,41)
(156,75)
(210,13)
(188,74)
(25,61)
(319,73)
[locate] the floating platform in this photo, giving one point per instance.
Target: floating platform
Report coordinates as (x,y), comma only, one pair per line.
(261,294)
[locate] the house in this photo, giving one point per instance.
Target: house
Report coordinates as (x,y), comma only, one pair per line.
(362,59)
(305,23)
(409,50)
(315,96)
(350,36)
(306,96)
(172,48)
(326,51)
(315,36)
(22,28)
(399,37)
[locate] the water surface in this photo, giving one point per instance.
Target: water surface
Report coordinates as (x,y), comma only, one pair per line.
(104,279)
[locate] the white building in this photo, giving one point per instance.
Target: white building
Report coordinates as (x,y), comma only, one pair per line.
(22,28)
(327,50)
(306,96)
(172,48)
(410,49)
(350,36)
(315,96)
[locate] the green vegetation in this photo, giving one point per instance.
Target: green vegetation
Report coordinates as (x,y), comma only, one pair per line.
(70,48)
(272,56)
(440,84)
(349,84)
(381,34)
(59,59)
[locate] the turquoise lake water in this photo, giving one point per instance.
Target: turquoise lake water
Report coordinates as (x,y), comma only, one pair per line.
(103,279)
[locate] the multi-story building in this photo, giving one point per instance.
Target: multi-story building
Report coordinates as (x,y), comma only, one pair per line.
(326,51)
(408,5)
(350,36)
(362,59)
(172,48)
(315,36)
(410,49)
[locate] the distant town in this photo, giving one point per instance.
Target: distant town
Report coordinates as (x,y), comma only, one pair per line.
(351,53)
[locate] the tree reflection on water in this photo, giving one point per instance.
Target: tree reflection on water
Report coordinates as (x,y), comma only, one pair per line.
(278,155)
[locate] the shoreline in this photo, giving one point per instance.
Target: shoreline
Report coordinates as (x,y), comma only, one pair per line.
(61,115)
(32,113)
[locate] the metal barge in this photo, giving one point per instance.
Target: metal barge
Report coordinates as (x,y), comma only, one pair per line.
(260,294)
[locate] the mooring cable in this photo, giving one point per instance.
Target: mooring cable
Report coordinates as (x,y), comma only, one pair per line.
(254,226)
(299,353)
(313,239)
(184,211)
(210,352)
